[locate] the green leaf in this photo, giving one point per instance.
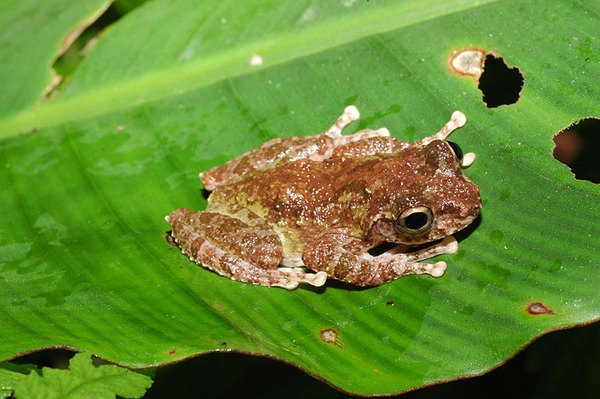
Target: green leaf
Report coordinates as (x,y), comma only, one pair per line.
(32,35)
(11,375)
(82,380)
(169,91)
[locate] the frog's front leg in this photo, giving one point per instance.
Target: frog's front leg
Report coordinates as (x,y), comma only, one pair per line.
(346,258)
(248,251)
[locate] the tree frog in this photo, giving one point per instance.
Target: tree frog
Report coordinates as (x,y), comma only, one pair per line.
(323,202)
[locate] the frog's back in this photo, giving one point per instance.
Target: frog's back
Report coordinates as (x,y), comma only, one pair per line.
(291,190)
(266,157)
(304,195)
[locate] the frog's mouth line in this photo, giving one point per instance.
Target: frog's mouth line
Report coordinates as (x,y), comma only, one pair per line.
(400,248)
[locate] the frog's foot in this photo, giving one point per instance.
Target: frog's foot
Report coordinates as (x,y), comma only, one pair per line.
(468,159)
(248,252)
(296,275)
(365,134)
(367,142)
(457,120)
(350,115)
(448,245)
(346,258)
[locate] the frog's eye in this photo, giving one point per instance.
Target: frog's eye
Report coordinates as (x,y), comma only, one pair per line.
(415,220)
(457,150)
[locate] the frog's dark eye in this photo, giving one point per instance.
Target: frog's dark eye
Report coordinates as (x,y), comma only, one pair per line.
(457,150)
(415,220)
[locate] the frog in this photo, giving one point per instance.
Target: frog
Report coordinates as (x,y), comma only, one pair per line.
(305,209)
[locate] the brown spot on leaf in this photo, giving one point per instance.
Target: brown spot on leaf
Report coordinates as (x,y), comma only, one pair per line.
(389,302)
(537,308)
(222,343)
(329,336)
(172,351)
(467,62)
(219,307)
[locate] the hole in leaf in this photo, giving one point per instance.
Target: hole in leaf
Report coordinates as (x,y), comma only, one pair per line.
(55,358)
(499,84)
(81,40)
(577,146)
(76,46)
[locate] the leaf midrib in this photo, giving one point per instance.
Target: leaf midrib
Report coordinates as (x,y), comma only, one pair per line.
(229,63)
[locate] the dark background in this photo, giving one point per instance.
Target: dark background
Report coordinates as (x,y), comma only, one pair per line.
(562,364)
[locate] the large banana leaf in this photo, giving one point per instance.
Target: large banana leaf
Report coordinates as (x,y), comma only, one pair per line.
(169,90)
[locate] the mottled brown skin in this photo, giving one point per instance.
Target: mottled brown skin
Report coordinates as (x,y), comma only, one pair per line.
(323,202)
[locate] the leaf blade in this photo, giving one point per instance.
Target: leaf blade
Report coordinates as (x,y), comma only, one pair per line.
(225,64)
(89,196)
(31,36)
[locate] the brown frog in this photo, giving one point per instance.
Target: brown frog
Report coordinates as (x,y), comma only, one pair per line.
(324,201)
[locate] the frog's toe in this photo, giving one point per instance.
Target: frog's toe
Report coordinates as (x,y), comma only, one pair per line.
(468,159)
(288,285)
(458,119)
(317,279)
(350,114)
(293,276)
(437,269)
(449,245)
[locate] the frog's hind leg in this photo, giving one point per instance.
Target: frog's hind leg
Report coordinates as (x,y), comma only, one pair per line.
(457,120)
(289,149)
(250,252)
(350,115)
(281,150)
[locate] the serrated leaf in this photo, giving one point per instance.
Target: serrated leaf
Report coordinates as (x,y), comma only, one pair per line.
(170,91)
(82,380)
